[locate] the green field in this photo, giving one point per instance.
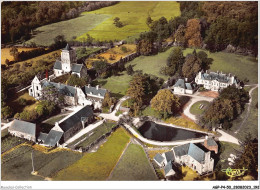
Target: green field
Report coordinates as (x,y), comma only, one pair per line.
(195,108)
(97,165)
(69,28)
(133,165)
(133,15)
(17,165)
(241,66)
(117,85)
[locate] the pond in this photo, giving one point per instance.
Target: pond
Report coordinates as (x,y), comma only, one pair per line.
(157,132)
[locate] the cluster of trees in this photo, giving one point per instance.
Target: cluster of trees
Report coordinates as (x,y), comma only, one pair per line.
(74,80)
(188,66)
(19,18)
(227,107)
(117,22)
(108,101)
(141,89)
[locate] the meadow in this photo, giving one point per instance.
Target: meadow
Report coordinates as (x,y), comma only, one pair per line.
(97,165)
(69,28)
(133,16)
(133,165)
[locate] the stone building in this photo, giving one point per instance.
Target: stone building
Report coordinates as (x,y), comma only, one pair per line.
(211,145)
(215,81)
(194,157)
(183,87)
(73,95)
(68,64)
(23,129)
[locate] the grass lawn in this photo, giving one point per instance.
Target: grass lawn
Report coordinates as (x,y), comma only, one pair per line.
(148,111)
(251,123)
(188,174)
(97,165)
(17,165)
(241,66)
(151,64)
(195,108)
(117,85)
(94,134)
(5,53)
(133,165)
(69,28)
(8,141)
(133,16)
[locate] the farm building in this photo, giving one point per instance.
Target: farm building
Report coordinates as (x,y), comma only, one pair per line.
(182,87)
(23,129)
(168,170)
(215,81)
(159,159)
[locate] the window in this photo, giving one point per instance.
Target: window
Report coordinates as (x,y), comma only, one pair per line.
(37,88)
(31,90)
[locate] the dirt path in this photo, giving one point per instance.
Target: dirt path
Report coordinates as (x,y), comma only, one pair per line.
(248,108)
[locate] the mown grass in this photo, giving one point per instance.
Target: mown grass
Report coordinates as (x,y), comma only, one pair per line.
(133,15)
(133,165)
(195,108)
(241,66)
(8,141)
(97,165)
(17,165)
(69,28)
(117,85)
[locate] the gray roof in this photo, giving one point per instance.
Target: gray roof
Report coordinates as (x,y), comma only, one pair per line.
(67,47)
(63,89)
(53,137)
(158,158)
(221,77)
(211,142)
(89,89)
(24,127)
(169,156)
(181,83)
(181,150)
(57,65)
(76,118)
(168,168)
(76,67)
(196,153)
(42,136)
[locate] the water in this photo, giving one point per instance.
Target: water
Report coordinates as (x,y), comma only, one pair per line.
(157,132)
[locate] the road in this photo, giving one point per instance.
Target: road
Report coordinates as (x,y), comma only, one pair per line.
(248,108)
(227,137)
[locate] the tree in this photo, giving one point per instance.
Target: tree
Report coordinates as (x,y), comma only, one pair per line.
(22,101)
(149,21)
(45,108)
(74,80)
(166,102)
(108,100)
(14,52)
(101,67)
(7,62)
(117,22)
(6,112)
(145,43)
(180,35)
(191,66)
(129,70)
(192,34)
(205,61)
(51,94)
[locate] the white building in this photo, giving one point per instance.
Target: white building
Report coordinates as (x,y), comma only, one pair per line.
(73,95)
(215,81)
(182,87)
(68,63)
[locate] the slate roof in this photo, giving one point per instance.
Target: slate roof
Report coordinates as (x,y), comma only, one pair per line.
(67,47)
(63,89)
(159,158)
(181,83)
(53,137)
(89,89)
(221,77)
(211,142)
(181,150)
(196,153)
(169,156)
(74,119)
(42,136)
(57,65)
(76,67)
(168,168)
(24,127)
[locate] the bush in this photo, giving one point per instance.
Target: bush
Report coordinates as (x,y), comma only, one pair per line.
(6,112)
(22,101)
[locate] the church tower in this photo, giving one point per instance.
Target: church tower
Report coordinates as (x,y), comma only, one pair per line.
(68,56)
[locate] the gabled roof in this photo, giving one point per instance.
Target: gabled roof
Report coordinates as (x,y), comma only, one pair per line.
(211,142)
(181,150)
(57,65)
(185,85)
(42,136)
(221,77)
(67,47)
(196,153)
(76,67)
(169,156)
(23,127)
(89,90)
(159,158)
(53,137)
(63,89)
(168,168)
(86,112)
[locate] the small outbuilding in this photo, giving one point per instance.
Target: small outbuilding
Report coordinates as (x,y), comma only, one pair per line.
(159,159)
(168,170)
(182,87)
(23,129)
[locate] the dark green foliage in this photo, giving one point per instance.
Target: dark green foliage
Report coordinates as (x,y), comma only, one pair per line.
(129,70)
(74,80)
(102,68)
(161,28)
(51,94)
(6,112)
(117,22)
(191,66)
(205,61)
(145,43)
(22,102)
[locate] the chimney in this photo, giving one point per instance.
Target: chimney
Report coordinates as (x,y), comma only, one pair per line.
(97,87)
(46,73)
